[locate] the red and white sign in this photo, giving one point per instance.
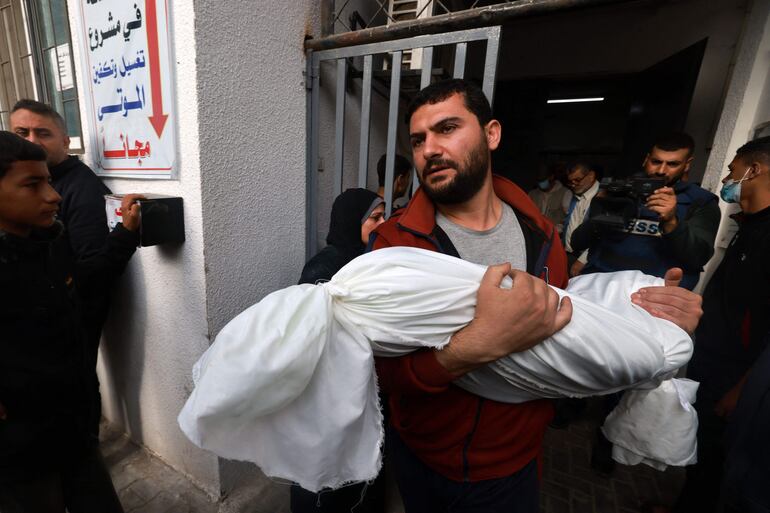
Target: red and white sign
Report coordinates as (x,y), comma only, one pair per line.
(128,86)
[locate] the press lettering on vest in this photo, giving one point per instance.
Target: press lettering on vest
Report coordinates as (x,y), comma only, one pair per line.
(645,227)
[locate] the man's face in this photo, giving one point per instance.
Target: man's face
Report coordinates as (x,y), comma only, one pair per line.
(27,199)
(580,179)
(44,131)
(738,170)
(451,150)
(401,184)
(671,165)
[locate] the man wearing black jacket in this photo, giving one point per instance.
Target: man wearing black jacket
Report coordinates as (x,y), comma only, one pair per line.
(732,333)
(49,456)
(81,209)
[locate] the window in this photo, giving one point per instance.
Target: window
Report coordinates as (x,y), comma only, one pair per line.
(17,77)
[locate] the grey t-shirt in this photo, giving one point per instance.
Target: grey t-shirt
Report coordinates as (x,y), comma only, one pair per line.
(502,243)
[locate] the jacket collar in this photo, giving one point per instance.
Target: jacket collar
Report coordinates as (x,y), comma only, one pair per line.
(63,167)
(748,219)
(420,214)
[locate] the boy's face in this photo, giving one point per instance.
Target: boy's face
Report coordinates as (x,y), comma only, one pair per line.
(27,199)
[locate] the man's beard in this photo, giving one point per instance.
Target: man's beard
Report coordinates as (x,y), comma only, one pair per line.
(467,181)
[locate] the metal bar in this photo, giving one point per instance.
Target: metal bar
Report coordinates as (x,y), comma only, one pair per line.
(390,151)
(339,126)
(425,76)
(312,171)
(459,67)
(327,17)
(479,17)
(427,67)
(490,65)
(366,107)
(459,36)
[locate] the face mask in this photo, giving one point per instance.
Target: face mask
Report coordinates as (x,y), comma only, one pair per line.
(544,184)
(731,190)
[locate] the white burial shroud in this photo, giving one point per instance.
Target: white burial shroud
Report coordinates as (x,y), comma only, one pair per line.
(289,384)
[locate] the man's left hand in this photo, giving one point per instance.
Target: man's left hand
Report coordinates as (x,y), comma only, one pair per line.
(671,302)
(663,203)
(576,268)
(725,407)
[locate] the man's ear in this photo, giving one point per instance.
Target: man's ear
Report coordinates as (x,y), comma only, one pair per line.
(401,184)
(756,169)
(67,142)
(688,163)
(493,131)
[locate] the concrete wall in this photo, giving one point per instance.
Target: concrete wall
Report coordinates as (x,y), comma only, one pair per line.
(251,110)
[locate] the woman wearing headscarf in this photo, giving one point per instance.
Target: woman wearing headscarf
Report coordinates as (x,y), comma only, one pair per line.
(355,214)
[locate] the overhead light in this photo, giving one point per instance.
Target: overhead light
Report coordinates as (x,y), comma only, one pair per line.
(577,100)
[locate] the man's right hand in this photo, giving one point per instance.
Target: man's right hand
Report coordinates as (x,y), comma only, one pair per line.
(506,321)
(130,211)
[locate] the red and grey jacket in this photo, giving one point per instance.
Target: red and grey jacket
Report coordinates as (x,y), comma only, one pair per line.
(460,435)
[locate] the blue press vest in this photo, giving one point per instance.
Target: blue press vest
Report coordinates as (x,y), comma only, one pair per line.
(625,251)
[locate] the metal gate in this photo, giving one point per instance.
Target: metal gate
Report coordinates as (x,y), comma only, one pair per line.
(396,50)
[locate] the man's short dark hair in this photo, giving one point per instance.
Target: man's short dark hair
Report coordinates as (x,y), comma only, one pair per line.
(402,167)
(675,141)
(475,100)
(14,149)
(756,150)
(41,109)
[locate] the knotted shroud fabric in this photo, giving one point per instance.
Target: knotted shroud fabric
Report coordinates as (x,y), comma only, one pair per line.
(289,384)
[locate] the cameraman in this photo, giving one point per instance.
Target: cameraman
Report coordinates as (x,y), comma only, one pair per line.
(675,226)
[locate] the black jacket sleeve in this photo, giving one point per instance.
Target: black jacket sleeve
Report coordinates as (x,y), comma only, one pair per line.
(86,219)
(99,271)
(692,241)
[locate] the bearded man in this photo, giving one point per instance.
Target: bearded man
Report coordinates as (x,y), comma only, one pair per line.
(453,450)
(676,229)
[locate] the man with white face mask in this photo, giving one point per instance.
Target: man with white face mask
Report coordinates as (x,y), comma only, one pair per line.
(732,332)
(549,193)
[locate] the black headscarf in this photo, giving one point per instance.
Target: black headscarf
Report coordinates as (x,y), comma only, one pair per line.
(350,210)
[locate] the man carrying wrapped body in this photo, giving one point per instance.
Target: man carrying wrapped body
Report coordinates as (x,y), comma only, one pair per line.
(289,384)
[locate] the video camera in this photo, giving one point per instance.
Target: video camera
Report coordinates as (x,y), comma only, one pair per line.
(621,200)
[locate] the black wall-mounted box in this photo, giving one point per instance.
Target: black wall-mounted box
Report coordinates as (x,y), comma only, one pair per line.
(162,218)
